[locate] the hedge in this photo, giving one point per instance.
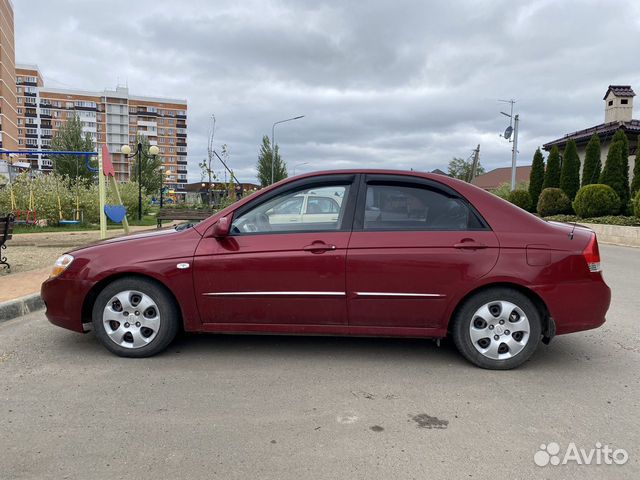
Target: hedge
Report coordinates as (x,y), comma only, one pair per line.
(521,198)
(596,200)
(609,220)
(552,202)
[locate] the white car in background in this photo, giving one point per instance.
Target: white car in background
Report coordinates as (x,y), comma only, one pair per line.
(315,206)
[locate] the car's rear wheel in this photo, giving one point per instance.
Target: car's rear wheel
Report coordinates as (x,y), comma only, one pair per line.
(135,317)
(498,328)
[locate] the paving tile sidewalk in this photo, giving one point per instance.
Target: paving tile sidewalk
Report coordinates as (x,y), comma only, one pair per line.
(23,283)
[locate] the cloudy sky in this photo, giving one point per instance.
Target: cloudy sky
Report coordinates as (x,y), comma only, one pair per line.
(399,84)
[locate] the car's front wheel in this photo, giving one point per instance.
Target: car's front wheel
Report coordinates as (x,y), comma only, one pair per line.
(135,317)
(498,328)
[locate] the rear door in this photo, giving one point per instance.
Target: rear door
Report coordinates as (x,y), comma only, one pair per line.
(416,244)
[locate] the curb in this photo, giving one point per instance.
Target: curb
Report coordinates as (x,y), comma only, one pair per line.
(20,306)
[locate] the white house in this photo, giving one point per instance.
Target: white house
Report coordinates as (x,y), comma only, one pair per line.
(618,115)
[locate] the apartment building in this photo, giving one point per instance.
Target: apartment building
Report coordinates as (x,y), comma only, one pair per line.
(114,117)
(8,113)
(31,113)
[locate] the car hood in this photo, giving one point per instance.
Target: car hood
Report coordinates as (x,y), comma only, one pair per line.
(137,236)
(153,236)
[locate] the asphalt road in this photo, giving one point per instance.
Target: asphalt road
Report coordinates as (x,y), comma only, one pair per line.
(246,407)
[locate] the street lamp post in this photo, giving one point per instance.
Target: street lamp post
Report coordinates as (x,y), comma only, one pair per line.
(273,144)
(126,150)
(161,169)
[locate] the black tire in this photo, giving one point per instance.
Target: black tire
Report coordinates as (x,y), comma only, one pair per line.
(167,311)
(465,315)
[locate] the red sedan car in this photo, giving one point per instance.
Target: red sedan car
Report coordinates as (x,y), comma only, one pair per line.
(367,252)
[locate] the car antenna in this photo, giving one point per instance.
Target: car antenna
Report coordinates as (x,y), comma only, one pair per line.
(572,230)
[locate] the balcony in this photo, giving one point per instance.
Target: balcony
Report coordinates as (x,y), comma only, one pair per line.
(182,162)
(144,113)
(183,154)
(84,108)
(182,172)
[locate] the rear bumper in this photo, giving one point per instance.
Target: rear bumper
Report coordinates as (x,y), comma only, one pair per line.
(63,300)
(576,306)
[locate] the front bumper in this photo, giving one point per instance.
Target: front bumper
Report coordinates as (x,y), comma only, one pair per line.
(63,300)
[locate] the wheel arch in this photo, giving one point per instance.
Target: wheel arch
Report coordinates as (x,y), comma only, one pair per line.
(92,295)
(548,325)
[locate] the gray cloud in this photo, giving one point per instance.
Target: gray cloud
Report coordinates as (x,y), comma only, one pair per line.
(407,84)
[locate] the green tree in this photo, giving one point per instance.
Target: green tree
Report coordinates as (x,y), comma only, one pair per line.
(592,162)
(635,183)
(151,175)
(570,174)
(536,178)
(621,137)
(461,168)
(264,164)
(612,174)
(70,138)
(552,173)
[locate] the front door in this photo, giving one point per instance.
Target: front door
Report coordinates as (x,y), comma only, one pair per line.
(415,245)
(280,264)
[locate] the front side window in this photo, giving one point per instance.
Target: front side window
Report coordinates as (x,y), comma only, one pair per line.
(312,209)
(322,205)
(403,207)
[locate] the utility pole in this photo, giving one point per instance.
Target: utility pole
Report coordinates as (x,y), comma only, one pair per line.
(514,152)
(512,129)
(474,165)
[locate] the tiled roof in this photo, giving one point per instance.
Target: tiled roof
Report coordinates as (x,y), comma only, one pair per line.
(620,91)
(604,131)
(497,177)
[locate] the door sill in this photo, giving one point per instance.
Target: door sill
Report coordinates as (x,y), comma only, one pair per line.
(339,330)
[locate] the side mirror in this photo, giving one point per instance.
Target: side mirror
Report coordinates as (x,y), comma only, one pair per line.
(222,227)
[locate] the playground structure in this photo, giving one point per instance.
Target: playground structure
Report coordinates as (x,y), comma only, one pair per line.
(117,213)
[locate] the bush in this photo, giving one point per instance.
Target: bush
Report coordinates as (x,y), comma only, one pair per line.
(552,202)
(521,198)
(504,189)
(636,204)
(47,189)
(596,200)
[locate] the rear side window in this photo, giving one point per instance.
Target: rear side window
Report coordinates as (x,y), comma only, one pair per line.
(414,207)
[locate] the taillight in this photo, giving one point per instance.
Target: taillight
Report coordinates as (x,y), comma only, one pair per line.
(591,254)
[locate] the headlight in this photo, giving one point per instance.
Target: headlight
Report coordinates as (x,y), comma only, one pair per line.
(62,263)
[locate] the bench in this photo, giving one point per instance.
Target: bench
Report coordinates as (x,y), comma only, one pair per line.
(181,214)
(6,231)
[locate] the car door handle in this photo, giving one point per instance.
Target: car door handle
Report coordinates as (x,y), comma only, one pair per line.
(318,247)
(469,244)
